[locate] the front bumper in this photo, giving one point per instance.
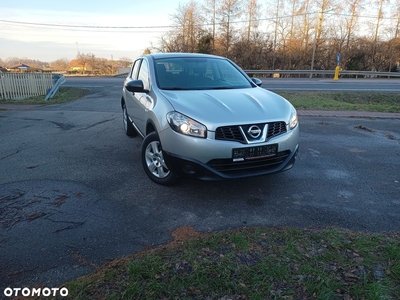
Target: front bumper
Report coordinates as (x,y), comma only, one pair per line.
(210,159)
(224,169)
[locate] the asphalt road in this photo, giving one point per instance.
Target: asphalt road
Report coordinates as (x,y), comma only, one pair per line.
(277,84)
(328,84)
(73,194)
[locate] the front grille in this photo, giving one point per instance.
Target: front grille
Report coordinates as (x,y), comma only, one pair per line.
(229,133)
(228,167)
(233,133)
(276,128)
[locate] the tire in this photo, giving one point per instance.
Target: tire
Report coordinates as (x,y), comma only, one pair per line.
(153,161)
(128,126)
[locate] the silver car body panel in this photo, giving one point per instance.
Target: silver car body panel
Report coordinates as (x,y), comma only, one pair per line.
(230,107)
(204,150)
(213,108)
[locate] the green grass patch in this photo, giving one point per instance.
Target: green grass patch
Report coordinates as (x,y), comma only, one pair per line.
(311,100)
(65,94)
(255,263)
(362,101)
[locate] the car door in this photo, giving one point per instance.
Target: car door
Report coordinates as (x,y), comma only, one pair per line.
(134,101)
(143,100)
(130,101)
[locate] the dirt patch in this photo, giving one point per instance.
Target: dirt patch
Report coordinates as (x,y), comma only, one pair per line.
(184,233)
(360,127)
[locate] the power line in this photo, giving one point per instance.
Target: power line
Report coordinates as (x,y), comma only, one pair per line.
(66,26)
(86,26)
(132,27)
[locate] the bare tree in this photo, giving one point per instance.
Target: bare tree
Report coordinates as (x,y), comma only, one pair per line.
(293,15)
(83,60)
(396,15)
(61,64)
(125,62)
(229,12)
(249,50)
(252,11)
(394,43)
(276,32)
(290,34)
(210,9)
(379,4)
(355,6)
(303,32)
(188,22)
(294,37)
(324,7)
(93,63)
(103,66)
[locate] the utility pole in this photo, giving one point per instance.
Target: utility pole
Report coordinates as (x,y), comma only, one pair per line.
(214,15)
(112,64)
(317,28)
(275,35)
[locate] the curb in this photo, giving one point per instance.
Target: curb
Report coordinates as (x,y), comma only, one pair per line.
(348,114)
(19,106)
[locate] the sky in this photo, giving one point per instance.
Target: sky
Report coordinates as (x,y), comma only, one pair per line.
(49,30)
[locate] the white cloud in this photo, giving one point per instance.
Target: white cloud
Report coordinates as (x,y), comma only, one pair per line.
(103,42)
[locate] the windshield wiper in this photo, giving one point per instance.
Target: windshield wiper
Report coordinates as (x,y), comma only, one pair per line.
(173,89)
(222,88)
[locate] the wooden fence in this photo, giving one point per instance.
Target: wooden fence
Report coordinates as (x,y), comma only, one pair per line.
(24,85)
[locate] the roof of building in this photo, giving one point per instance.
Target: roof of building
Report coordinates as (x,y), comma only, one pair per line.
(20,66)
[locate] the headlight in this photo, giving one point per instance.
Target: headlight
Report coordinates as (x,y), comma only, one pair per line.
(293,119)
(185,125)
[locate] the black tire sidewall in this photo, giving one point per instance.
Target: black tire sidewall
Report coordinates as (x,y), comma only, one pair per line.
(129,129)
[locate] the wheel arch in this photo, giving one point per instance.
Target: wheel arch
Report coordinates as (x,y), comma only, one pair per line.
(150,127)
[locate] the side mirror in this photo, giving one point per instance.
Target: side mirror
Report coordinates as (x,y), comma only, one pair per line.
(257,81)
(135,86)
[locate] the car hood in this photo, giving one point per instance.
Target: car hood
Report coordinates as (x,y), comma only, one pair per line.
(216,108)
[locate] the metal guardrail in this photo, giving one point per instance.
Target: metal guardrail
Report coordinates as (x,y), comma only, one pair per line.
(59,80)
(312,73)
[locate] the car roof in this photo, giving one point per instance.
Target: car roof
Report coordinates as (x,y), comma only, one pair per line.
(182,55)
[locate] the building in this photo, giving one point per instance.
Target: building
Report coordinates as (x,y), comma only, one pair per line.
(76,66)
(20,68)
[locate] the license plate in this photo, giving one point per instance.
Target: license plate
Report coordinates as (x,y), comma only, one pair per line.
(242,154)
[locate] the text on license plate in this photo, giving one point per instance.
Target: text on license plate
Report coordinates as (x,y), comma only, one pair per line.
(242,154)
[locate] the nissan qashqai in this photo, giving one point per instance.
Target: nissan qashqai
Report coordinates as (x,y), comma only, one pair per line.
(203,117)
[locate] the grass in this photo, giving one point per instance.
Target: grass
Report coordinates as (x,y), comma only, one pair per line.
(363,101)
(254,263)
(65,94)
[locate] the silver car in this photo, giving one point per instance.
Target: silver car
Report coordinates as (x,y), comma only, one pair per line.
(202,117)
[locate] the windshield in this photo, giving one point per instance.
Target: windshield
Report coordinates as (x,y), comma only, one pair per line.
(198,74)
